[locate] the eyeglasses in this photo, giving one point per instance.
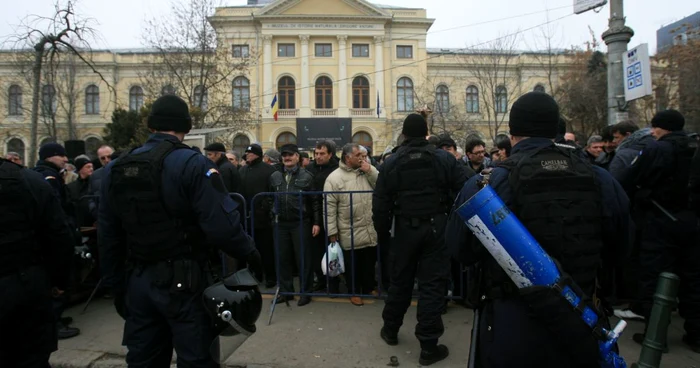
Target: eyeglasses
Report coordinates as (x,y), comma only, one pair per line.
(478,153)
(104,157)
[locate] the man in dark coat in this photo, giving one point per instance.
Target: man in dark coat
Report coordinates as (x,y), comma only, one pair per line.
(216,152)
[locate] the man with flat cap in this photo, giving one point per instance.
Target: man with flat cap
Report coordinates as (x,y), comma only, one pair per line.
(163,208)
(216,152)
(413,190)
(576,211)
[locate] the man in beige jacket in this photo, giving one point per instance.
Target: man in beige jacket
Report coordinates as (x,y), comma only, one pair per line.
(353,229)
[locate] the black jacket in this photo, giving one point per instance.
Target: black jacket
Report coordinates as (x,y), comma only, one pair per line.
(76,191)
(255,178)
(627,151)
(287,208)
(695,182)
(52,175)
(229,173)
(321,172)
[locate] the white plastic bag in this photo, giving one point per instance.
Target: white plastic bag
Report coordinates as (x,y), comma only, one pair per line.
(333,259)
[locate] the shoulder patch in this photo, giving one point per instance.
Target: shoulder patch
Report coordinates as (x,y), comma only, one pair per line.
(50,178)
(212,172)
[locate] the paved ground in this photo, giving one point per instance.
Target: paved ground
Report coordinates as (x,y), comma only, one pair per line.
(326,333)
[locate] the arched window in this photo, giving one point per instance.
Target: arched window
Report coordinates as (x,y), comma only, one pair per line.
(14,102)
(404,89)
(201,98)
(285,138)
(363,139)
(15,145)
(91,146)
(241,93)
(240,143)
(360,93)
(167,89)
(442,99)
(48,100)
(287,93)
(92,100)
(47,140)
(135,98)
(324,93)
(472,99)
(539,88)
(501,97)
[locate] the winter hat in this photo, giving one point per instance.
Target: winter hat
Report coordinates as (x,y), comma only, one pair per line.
(289,148)
(215,147)
(80,162)
(254,149)
(51,150)
(534,114)
(170,113)
(446,141)
(414,126)
(670,120)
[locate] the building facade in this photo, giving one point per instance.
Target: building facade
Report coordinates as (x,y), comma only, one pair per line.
(323,59)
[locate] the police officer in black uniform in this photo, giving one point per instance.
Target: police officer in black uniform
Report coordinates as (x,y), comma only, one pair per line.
(576,211)
(414,189)
(659,178)
(35,249)
(163,207)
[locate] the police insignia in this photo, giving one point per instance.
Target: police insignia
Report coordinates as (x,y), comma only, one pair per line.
(212,172)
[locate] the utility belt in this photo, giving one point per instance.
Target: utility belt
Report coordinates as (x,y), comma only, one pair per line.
(178,275)
(416,220)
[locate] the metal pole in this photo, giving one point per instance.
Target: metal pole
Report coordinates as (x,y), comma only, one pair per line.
(616,37)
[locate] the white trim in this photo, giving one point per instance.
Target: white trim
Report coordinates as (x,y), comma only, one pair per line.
(363,128)
(276,133)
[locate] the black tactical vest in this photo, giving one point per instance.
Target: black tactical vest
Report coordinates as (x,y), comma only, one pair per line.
(419,182)
(674,193)
(556,197)
(18,245)
(154,233)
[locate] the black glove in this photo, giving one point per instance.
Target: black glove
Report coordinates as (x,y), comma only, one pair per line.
(120,303)
(254,262)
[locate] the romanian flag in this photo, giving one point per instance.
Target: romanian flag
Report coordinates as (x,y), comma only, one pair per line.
(275,106)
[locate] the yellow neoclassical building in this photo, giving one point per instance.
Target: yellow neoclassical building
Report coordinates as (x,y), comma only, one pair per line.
(343,69)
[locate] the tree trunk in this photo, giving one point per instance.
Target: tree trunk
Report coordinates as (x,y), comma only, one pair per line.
(36,69)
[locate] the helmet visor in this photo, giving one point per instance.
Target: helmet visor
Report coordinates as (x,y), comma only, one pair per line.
(228,342)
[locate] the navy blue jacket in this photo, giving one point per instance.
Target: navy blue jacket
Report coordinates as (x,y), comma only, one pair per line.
(627,151)
(618,226)
(186,187)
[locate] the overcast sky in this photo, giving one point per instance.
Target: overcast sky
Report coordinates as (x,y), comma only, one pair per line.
(120,22)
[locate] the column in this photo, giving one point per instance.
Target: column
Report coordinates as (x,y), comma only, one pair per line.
(342,85)
(268,91)
(305,110)
(616,37)
(379,76)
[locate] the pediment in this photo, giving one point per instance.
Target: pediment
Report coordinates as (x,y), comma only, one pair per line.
(341,8)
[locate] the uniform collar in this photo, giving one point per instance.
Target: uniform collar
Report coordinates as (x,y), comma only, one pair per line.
(160,137)
(531,143)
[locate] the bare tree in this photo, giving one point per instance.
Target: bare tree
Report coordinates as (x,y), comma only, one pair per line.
(63,33)
(192,62)
(546,46)
(495,73)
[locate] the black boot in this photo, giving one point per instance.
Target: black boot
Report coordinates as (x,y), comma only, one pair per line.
(433,355)
(389,337)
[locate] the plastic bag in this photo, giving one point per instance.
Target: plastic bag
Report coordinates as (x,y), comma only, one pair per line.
(333,263)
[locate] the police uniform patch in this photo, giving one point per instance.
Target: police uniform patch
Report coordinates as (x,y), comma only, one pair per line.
(216,181)
(212,172)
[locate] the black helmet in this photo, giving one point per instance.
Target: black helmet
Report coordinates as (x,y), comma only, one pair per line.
(234,306)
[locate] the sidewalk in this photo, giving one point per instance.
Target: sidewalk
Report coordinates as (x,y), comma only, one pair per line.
(326,333)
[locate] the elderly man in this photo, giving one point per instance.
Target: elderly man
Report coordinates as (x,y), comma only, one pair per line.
(14,157)
(79,188)
(234,158)
(594,148)
(216,152)
(350,225)
(272,157)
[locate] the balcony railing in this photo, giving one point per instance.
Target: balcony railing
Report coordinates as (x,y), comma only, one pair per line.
(324,112)
(287,113)
(362,112)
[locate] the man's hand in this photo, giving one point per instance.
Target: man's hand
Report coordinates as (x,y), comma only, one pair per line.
(315,230)
(333,238)
(365,166)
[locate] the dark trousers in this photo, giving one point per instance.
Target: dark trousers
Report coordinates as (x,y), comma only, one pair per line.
(672,246)
(265,243)
(159,320)
(28,326)
(359,270)
(293,248)
(318,250)
(418,251)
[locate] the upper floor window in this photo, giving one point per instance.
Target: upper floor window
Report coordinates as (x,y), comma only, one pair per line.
(539,88)
(324,50)
(15,100)
(241,51)
(48,100)
(442,99)
(241,93)
(404,89)
(286,93)
(360,50)
(472,99)
(285,50)
(324,93)
(201,97)
(135,98)
(92,100)
(404,52)
(168,89)
(501,97)
(360,93)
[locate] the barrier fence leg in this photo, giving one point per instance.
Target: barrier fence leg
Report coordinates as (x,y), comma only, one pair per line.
(94,291)
(274,303)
